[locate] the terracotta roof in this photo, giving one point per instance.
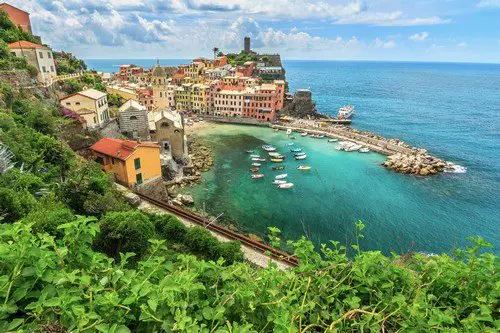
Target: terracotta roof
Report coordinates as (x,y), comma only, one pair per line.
(24,44)
(121,149)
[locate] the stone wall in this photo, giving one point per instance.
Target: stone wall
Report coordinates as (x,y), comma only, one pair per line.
(236,120)
(17,78)
(134,124)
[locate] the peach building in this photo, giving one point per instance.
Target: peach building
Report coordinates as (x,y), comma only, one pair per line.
(131,162)
(17,16)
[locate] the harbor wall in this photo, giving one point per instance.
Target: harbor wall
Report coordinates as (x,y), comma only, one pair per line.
(236,120)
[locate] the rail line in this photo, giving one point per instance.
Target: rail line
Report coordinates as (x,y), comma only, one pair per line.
(197,219)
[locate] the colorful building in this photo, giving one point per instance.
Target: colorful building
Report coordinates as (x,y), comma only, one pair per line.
(39,56)
(183,97)
(90,104)
(131,162)
(18,16)
(124,92)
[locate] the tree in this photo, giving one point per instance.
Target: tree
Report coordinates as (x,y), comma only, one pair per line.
(215,50)
(123,232)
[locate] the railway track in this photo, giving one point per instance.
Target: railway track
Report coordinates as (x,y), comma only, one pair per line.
(197,219)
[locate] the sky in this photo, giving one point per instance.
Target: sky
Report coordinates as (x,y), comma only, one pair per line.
(384,30)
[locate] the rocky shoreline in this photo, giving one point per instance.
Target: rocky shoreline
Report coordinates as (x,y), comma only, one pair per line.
(200,160)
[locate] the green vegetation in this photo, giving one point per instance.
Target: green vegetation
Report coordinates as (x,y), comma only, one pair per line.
(11,33)
(87,80)
(238,59)
(115,100)
(67,63)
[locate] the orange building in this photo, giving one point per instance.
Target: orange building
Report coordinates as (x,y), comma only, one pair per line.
(131,162)
(17,16)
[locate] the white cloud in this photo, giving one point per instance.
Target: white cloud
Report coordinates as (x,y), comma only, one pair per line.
(379,43)
(489,3)
(419,37)
(462,44)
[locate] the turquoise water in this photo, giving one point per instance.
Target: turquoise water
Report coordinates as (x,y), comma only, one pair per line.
(451,109)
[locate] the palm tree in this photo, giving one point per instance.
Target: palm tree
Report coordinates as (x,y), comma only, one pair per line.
(215,50)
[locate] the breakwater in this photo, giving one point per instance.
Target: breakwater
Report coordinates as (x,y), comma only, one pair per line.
(401,157)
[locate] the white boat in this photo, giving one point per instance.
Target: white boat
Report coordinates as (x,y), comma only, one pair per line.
(320,136)
(301,157)
(353,147)
(256,164)
(303,134)
(299,154)
(296,150)
(333,140)
(258,176)
(277,182)
(290,144)
(288,131)
(256,156)
(274,154)
(286,185)
(364,150)
(255,159)
(283,175)
(346,112)
(268,148)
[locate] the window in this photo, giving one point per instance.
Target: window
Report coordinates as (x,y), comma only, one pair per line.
(68,103)
(137,163)
(41,55)
(52,68)
(77,103)
(49,55)
(138,178)
(133,118)
(43,69)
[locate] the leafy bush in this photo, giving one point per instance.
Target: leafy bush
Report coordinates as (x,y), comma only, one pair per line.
(48,219)
(200,241)
(231,252)
(123,232)
(67,63)
(169,227)
(15,204)
(65,283)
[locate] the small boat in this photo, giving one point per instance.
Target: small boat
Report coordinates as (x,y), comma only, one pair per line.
(276,160)
(299,154)
(256,156)
(290,144)
(277,182)
(288,131)
(258,176)
(283,175)
(303,134)
(278,167)
(346,112)
(303,167)
(274,154)
(249,151)
(254,169)
(256,159)
(268,148)
(296,150)
(286,185)
(301,157)
(333,140)
(320,136)
(353,148)
(256,164)
(364,150)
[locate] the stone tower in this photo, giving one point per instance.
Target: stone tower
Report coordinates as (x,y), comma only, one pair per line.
(247,45)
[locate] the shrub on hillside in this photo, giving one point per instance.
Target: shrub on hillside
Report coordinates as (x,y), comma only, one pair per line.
(169,227)
(48,219)
(15,204)
(231,252)
(200,241)
(123,232)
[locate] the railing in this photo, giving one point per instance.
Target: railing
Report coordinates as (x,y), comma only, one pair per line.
(51,80)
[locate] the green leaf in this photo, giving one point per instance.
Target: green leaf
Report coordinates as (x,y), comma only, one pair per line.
(15,324)
(153,303)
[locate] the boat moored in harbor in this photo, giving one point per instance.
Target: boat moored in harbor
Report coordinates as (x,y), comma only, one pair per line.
(364,150)
(276,160)
(301,157)
(258,176)
(278,167)
(346,112)
(296,150)
(286,185)
(303,167)
(268,148)
(333,140)
(255,169)
(277,182)
(256,164)
(304,134)
(283,175)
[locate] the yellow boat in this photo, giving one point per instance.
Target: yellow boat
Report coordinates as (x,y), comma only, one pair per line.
(276,160)
(303,167)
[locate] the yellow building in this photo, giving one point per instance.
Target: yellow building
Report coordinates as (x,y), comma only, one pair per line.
(199,96)
(130,162)
(90,104)
(183,97)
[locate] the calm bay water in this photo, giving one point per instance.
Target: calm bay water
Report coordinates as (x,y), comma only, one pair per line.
(451,109)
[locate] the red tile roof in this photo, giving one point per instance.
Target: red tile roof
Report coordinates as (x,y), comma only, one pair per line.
(24,44)
(121,149)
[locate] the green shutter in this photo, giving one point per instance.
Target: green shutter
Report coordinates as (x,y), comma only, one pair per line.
(137,163)
(138,178)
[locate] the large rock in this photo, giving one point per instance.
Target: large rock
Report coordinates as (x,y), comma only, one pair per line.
(185,199)
(424,172)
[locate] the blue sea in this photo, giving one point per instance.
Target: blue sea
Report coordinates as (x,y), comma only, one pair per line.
(451,109)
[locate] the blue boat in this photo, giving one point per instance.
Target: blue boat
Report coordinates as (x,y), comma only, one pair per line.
(299,154)
(296,150)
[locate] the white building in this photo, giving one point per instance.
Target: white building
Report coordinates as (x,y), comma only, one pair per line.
(39,56)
